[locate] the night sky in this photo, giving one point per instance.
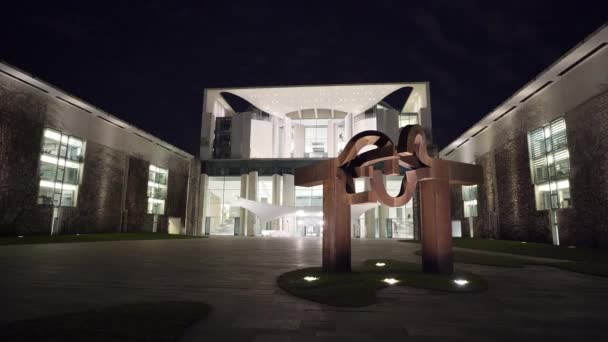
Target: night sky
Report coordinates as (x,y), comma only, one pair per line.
(148,62)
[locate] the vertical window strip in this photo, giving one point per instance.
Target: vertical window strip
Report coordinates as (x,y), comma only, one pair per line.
(550,165)
(157,189)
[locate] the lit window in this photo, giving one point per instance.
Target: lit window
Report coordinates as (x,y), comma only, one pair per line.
(157,189)
(469,197)
(61,162)
(550,165)
(408,119)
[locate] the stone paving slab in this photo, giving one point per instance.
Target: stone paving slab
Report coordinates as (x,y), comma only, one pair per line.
(237,277)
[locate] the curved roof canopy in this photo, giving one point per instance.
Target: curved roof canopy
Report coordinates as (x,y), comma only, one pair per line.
(279,101)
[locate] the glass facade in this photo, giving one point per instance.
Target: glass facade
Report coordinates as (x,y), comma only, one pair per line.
(550,165)
(469,197)
(61,163)
(222,218)
(400,219)
(157,189)
(309,196)
(264,190)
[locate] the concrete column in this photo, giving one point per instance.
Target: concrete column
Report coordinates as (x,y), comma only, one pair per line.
(207,135)
(204,199)
(252,193)
(287,138)
(348,127)
(426,120)
(276,199)
(416,214)
(331,140)
(370,217)
(382,216)
(242,211)
(289,199)
(298,137)
(275,137)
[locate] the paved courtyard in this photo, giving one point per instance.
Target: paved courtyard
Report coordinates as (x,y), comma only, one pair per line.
(237,277)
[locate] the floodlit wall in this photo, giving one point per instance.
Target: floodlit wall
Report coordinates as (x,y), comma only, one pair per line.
(507,200)
(113,181)
(261,139)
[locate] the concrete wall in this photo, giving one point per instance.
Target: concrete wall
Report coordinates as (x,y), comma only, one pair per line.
(115,158)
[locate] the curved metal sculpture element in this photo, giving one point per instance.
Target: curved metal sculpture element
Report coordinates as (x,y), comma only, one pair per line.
(408,158)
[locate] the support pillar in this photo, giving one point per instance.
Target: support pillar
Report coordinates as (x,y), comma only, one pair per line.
(252,193)
(382,217)
(242,228)
(289,199)
(276,198)
(370,217)
(203,200)
(436,226)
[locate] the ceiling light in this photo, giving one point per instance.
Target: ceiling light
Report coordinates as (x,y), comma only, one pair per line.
(390,281)
(310,278)
(380,264)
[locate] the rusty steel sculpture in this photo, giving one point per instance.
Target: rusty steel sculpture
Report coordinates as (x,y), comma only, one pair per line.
(410,156)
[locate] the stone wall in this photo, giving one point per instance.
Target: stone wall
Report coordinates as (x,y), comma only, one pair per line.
(177,187)
(137,197)
(486,223)
(588,144)
(21,127)
(100,192)
(24,113)
(506,204)
(518,218)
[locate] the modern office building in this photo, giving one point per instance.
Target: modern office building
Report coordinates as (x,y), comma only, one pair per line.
(69,167)
(253,138)
(544,152)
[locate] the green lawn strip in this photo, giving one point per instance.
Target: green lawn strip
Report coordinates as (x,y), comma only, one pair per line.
(69,238)
(487,259)
(359,287)
(155,321)
(591,268)
(532,249)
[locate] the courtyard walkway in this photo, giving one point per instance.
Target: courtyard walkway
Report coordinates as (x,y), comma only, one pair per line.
(237,277)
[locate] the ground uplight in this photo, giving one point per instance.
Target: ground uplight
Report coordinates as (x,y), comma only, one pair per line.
(461,282)
(390,281)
